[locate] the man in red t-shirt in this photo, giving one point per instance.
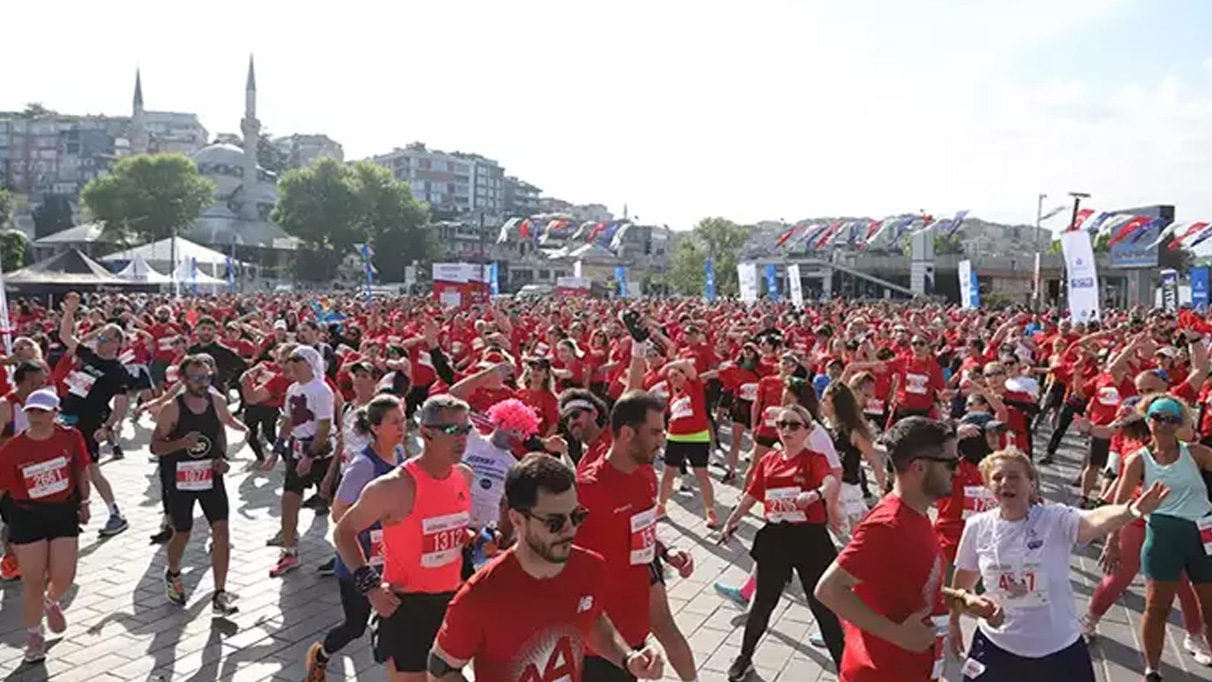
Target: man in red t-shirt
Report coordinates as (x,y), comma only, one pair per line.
(886,585)
(529,614)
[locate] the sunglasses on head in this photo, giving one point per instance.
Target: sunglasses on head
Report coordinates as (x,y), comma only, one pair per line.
(557,522)
(1166,419)
(790,425)
(452,429)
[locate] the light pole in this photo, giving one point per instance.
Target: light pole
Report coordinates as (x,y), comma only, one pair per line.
(1077,203)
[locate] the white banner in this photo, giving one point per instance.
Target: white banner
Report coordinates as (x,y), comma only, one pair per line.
(1082,276)
(8,331)
(576,269)
(794,284)
(460,273)
(747,281)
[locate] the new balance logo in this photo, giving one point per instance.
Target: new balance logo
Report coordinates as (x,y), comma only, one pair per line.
(586,604)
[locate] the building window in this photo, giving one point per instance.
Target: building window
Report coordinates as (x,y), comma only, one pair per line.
(544,274)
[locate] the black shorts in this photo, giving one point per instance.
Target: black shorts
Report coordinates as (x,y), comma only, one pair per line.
(36,521)
(742,412)
(726,400)
(181,505)
(677,452)
(656,572)
(1100,448)
(406,636)
(140,378)
(765,441)
(159,370)
(597,669)
(86,429)
(298,483)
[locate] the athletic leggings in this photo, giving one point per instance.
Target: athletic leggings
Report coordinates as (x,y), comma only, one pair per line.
(1068,411)
(266,419)
(357,615)
(1131,538)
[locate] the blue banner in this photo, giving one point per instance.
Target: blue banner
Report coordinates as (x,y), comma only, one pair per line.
(709,267)
(772,282)
(620,273)
(494,281)
(1199,288)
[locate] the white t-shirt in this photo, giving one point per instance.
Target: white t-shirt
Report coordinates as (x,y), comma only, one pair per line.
(489,464)
(355,441)
(820,441)
(307,404)
(1025,565)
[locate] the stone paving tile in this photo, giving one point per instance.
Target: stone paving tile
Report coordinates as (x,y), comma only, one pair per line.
(121,629)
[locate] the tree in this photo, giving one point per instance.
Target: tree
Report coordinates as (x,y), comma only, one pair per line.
(271,157)
(54,215)
(722,240)
(686,268)
(13,249)
(6,206)
(393,220)
(36,110)
(149,197)
(947,243)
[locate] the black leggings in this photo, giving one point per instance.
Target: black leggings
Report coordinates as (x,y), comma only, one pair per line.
(357,615)
(777,549)
(1068,411)
(266,419)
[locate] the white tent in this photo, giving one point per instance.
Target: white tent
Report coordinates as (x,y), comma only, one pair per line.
(160,254)
(188,276)
(139,271)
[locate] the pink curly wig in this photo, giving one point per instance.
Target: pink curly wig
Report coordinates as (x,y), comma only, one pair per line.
(514,415)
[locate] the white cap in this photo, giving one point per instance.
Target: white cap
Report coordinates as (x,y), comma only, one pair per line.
(280,324)
(1167,351)
(42,399)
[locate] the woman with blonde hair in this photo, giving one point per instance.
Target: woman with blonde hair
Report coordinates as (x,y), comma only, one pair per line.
(1020,550)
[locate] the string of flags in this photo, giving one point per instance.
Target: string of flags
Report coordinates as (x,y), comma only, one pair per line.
(609,234)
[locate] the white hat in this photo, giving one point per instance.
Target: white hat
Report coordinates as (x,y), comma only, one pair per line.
(280,324)
(1166,351)
(43,399)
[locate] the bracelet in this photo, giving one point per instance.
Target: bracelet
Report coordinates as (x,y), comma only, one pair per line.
(83,502)
(366,579)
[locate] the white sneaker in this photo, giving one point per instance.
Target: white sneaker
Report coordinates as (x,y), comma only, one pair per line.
(1089,624)
(1198,648)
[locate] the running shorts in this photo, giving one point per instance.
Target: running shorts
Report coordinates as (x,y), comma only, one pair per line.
(677,452)
(1172,545)
(406,636)
(36,521)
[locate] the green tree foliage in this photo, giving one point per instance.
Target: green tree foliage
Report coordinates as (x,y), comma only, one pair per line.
(6,206)
(14,248)
(36,110)
(332,208)
(53,215)
(686,274)
(944,244)
(271,157)
(717,238)
(149,196)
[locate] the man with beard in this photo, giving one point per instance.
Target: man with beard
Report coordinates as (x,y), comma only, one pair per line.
(583,414)
(192,446)
(227,360)
(887,584)
(529,613)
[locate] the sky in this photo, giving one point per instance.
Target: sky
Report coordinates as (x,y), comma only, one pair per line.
(756,110)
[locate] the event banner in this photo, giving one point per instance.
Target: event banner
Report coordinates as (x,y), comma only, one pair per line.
(1199,288)
(1169,289)
(1082,276)
(795,284)
(969,285)
(772,282)
(709,271)
(620,274)
(747,281)
(8,331)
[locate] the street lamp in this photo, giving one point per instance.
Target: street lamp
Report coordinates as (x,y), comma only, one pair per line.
(1077,202)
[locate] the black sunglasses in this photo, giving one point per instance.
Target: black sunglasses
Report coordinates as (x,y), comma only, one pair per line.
(452,429)
(951,463)
(199,379)
(790,425)
(1166,419)
(574,413)
(556,522)
(918,343)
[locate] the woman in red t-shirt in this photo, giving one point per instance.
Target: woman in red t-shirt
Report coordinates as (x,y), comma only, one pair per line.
(689,439)
(537,394)
(45,488)
(569,369)
(740,382)
(792,485)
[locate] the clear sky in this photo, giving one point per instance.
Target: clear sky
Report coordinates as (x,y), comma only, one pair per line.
(682,109)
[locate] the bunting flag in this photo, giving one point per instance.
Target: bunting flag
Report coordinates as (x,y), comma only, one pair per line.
(506,228)
(1129,227)
(788,234)
(955,223)
(1155,224)
(1199,238)
(616,242)
(927,223)
(902,226)
(595,231)
(1095,224)
(873,229)
(609,230)
(812,232)
(1112,224)
(1188,231)
(828,234)
(524,228)
(368,252)
(1053,213)
(1080,218)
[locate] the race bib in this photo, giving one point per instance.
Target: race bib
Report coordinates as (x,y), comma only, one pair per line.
(1108,396)
(196,475)
(1019,589)
(376,548)
(127,357)
(780,505)
(296,448)
(916,383)
(442,539)
(1205,533)
(977,499)
(541,349)
(46,478)
(80,383)
(643,537)
(942,625)
(972,668)
(875,406)
(165,343)
(771,415)
(681,409)
(661,389)
(748,392)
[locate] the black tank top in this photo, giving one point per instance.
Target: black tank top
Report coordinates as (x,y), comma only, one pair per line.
(212,443)
(850,455)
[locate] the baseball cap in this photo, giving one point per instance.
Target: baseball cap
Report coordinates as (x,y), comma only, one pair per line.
(1166,351)
(280,324)
(43,399)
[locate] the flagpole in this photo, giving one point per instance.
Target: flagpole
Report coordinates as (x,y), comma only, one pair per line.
(1039,219)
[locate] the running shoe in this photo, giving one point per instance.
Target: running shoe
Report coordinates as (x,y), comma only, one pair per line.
(313,502)
(221,604)
(740,669)
(35,646)
(116,452)
(817,640)
(1153,676)
(162,537)
(287,562)
(728,478)
(1197,646)
(684,485)
(174,589)
(1046,460)
(328,568)
(317,665)
(275,541)
(10,570)
(55,620)
(731,593)
(116,524)
(713,521)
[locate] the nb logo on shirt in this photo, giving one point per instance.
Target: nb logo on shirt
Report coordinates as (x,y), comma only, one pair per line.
(586,604)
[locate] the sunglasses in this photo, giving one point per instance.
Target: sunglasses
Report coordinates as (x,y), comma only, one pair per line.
(574,413)
(557,522)
(790,425)
(952,463)
(452,429)
(918,344)
(199,379)
(1166,419)
(990,375)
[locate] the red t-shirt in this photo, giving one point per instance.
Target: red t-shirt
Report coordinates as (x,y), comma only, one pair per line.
(1105,398)
(545,404)
(483,397)
(779,479)
(895,555)
(164,335)
(769,402)
(550,619)
(43,470)
(920,382)
(968,496)
(621,526)
(688,409)
(596,450)
(276,386)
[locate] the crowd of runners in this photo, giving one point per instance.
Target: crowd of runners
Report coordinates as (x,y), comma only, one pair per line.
(498,475)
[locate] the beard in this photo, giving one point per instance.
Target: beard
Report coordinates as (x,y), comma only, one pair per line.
(937,486)
(198,391)
(556,552)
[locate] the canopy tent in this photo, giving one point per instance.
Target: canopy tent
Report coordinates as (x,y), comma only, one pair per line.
(189,276)
(139,271)
(160,255)
(70,270)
